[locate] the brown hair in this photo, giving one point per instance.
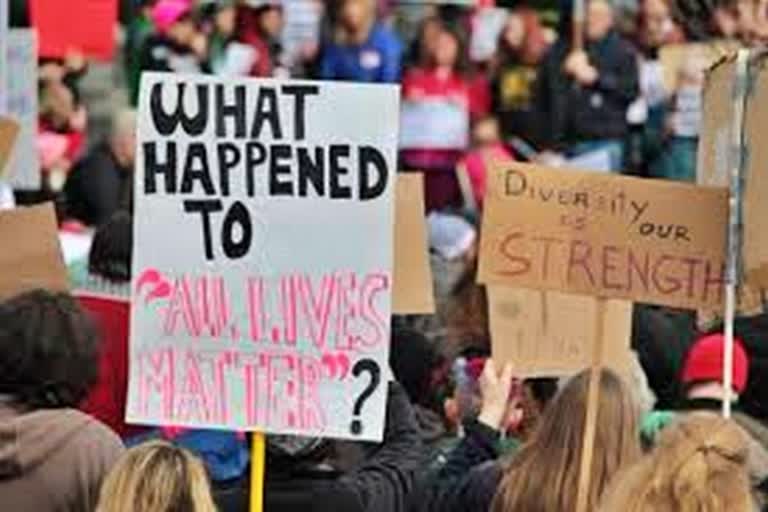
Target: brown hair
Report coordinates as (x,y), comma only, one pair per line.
(543,476)
(699,465)
(157,477)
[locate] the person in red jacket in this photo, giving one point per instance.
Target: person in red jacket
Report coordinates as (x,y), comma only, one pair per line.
(260,27)
(106,297)
(439,79)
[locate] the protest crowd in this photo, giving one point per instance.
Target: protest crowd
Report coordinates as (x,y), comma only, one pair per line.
(610,85)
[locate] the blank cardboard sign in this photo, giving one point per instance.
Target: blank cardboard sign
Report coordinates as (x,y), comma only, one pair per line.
(412,291)
(31,255)
(546,333)
(609,236)
(715,158)
(9,130)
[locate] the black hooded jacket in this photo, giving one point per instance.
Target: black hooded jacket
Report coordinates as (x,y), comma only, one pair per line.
(381,483)
(572,113)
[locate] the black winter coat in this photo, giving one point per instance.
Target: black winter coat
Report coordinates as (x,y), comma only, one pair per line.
(382,483)
(469,479)
(572,113)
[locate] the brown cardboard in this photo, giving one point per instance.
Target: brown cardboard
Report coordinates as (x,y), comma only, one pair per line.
(31,255)
(672,58)
(611,236)
(412,290)
(9,130)
(755,189)
(546,333)
(717,112)
(715,158)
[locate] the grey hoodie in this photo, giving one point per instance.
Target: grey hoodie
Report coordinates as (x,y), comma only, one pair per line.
(53,460)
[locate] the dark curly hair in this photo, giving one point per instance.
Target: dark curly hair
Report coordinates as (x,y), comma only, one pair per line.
(110,255)
(48,350)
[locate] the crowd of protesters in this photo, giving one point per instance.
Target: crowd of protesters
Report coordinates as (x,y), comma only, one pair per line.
(462,432)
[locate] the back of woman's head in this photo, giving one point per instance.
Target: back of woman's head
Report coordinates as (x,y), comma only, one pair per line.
(157,477)
(699,465)
(111,250)
(544,475)
(47,350)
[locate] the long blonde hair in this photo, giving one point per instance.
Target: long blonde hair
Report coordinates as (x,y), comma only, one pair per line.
(543,476)
(157,477)
(699,465)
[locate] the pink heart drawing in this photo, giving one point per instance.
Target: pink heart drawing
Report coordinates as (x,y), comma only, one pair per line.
(160,287)
(337,365)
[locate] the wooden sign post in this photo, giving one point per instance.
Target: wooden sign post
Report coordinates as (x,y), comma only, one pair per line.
(590,421)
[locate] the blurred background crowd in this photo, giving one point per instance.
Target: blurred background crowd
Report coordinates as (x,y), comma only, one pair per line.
(480,81)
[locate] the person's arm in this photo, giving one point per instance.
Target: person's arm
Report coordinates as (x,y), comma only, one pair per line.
(481,442)
(467,479)
(384,481)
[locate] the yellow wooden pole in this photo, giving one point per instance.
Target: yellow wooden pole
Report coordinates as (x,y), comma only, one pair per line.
(258,456)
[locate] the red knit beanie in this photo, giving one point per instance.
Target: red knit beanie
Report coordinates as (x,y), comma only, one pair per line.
(704,362)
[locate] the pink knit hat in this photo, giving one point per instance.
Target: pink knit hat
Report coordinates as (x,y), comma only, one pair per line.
(167,12)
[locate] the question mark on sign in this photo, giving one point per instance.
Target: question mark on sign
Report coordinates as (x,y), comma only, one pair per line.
(363,366)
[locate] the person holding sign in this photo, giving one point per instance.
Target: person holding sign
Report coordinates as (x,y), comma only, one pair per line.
(302,474)
(361,49)
(543,475)
(584,94)
(435,118)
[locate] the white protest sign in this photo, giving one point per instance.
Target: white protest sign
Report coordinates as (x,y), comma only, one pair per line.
(262,271)
(433,124)
(21,104)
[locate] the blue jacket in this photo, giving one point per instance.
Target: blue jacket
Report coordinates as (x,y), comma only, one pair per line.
(225,454)
(376,60)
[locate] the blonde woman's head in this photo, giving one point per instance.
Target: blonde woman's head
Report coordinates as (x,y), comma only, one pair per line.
(157,477)
(699,465)
(544,474)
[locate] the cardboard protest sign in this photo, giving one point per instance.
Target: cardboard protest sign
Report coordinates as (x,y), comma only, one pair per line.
(23,168)
(545,333)
(412,292)
(85,26)
(433,124)
(716,157)
(610,236)
(675,57)
(263,255)
(9,130)
(714,161)
(33,259)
